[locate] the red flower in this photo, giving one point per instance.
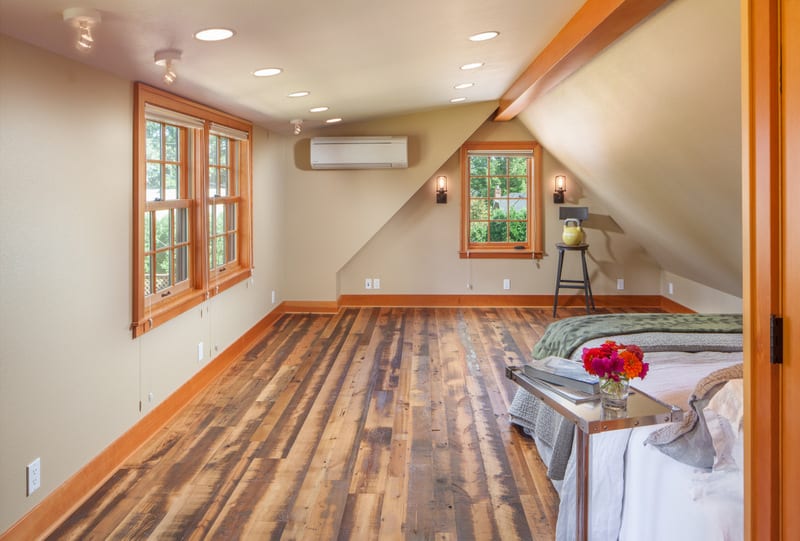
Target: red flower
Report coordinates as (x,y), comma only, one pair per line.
(615,361)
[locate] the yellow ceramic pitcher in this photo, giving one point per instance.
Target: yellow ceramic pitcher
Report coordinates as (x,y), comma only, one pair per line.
(573,234)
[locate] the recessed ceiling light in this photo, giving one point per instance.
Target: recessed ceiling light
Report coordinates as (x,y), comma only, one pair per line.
(472,66)
(457,100)
(214,34)
(483,36)
(462,86)
(333,120)
(321,109)
(299,94)
(267,72)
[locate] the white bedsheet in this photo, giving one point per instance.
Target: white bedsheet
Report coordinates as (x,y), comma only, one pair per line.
(654,504)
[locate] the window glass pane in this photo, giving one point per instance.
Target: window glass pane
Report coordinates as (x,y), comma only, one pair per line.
(498,166)
(518,166)
(171,143)
(518,231)
(518,186)
(163,270)
(498,187)
(153,181)
(163,228)
(223,182)
(232,247)
(220,225)
(479,209)
(223,150)
(478,187)
(478,165)
(181,264)
(148,277)
(212,149)
(500,209)
(498,231)
(181,225)
(518,209)
(220,251)
(147,231)
(171,182)
(478,232)
(212,181)
(232,217)
(152,140)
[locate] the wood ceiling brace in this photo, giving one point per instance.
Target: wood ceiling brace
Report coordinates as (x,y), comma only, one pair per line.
(597,24)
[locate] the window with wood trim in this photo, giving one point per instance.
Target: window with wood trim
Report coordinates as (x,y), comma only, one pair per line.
(188,157)
(501,214)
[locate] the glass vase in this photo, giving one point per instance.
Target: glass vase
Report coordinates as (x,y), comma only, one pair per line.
(614,394)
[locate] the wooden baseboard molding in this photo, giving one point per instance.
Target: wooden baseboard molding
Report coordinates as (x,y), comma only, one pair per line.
(310,307)
(543,301)
(46,516)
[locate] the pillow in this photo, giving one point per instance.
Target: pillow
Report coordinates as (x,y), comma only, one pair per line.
(690,440)
(724,415)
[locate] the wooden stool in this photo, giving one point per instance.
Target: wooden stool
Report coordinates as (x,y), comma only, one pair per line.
(573,284)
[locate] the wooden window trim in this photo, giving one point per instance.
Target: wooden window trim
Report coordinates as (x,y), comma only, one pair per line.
(533,249)
(202,283)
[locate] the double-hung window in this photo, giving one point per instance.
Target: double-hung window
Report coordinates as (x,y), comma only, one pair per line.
(501,213)
(192,206)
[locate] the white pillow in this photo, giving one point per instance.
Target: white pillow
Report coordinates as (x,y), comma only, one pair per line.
(724,415)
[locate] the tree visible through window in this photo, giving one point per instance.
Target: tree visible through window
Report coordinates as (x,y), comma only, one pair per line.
(499,193)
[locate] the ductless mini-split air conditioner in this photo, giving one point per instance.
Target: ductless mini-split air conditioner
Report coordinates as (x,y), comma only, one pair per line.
(376,152)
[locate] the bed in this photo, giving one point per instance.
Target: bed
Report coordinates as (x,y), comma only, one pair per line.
(677,481)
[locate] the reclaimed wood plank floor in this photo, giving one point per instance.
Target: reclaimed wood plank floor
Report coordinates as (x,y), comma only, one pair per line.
(372,423)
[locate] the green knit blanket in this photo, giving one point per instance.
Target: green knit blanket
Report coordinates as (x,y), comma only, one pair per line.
(562,337)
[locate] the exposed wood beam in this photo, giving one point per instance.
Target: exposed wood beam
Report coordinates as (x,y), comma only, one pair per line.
(595,26)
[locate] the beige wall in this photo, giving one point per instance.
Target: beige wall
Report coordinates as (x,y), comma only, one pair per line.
(71,377)
(331,214)
(698,297)
(652,127)
(416,252)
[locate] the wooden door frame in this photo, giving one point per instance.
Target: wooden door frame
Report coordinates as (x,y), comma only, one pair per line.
(761,200)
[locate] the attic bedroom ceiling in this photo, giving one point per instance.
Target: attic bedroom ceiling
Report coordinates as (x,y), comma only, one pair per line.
(652,127)
(362,59)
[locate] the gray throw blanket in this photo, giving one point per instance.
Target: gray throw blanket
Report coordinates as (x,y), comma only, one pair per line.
(562,338)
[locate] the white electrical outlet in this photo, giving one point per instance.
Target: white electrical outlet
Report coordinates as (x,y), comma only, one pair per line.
(368,283)
(274,296)
(150,396)
(670,288)
(200,351)
(506,283)
(34,471)
(376,283)
(620,284)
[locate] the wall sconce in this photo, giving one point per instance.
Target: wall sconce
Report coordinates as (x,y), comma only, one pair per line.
(83,19)
(441,189)
(166,57)
(561,187)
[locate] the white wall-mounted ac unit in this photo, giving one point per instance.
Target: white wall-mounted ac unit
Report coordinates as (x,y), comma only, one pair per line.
(376,152)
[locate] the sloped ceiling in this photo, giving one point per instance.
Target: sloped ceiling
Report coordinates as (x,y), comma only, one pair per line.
(652,127)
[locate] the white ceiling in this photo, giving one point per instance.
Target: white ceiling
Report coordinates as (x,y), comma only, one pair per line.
(362,58)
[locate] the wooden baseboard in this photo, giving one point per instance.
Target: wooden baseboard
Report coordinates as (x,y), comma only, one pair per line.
(543,301)
(310,307)
(43,518)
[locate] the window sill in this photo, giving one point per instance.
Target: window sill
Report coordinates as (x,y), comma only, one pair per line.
(500,254)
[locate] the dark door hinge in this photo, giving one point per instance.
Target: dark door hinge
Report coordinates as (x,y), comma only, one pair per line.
(775,339)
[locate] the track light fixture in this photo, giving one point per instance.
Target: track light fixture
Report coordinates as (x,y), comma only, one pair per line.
(298,126)
(83,19)
(165,58)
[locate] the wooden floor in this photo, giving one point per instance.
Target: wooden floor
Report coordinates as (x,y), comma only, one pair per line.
(372,423)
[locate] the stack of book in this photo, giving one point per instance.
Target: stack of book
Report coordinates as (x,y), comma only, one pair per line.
(564,377)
